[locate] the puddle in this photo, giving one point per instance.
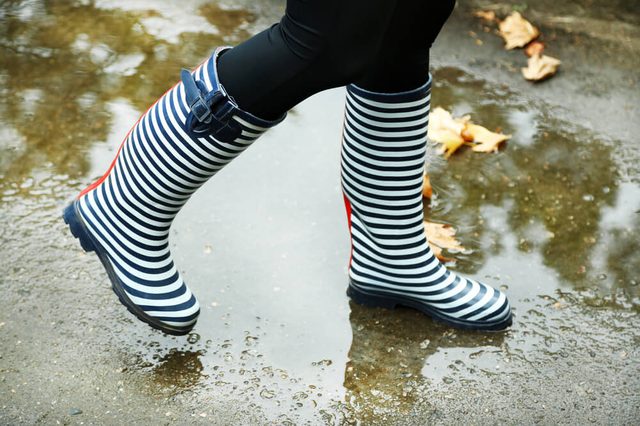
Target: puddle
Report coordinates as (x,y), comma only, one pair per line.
(556,187)
(550,218)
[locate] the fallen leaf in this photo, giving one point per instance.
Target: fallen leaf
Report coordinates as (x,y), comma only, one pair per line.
(487,15)
(534,48)
(437,252)
(452,133)
(517,31)
(483,139)
(427,190)
(442,236)
(466,135)
(540,67)
(446,130)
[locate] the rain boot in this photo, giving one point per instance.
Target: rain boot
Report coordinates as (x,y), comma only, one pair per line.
(383,159)
(185,138)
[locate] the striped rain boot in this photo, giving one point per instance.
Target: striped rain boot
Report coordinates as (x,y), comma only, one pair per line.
(185,138)
(383,158)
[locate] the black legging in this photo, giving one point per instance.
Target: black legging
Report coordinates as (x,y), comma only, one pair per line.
(381,45)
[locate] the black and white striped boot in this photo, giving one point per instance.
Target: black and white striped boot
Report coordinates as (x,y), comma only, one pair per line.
(383,158)
(185,138)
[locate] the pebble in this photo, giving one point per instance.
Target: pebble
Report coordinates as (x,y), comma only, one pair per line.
(74,411)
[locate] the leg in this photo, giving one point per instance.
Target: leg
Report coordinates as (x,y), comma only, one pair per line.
(318,44)
(384,144)
(124,217)
(402,61)
(195,129)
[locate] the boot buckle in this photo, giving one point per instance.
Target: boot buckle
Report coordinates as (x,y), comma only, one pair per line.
(222,107)
(200,110)
(215,108)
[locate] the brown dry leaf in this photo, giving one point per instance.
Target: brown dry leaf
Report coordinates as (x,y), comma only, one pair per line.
(517,31)
(534,48)
(466,135)
(442,236)
(487,15)
(540,67)
(437,252)
(484,139)
(452,133)
(427,190)
(446,130)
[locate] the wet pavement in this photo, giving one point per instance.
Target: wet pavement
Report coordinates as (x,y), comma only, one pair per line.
(554,219)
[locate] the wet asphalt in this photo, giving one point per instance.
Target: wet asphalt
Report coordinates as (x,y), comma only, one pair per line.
(553,219)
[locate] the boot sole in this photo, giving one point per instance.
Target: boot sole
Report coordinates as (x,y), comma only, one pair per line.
(389,302)
(78,229)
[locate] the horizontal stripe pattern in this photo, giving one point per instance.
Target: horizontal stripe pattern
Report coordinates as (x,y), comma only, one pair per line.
(382,166)
(159,166)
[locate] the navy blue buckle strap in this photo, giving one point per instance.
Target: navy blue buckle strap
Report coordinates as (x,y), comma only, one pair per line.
(215,108)
(222,106)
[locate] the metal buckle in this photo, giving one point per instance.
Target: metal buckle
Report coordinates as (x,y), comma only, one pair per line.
(215,106)
(222,106)
(201,110)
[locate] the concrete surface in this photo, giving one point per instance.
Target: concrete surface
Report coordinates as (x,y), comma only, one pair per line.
(552,218)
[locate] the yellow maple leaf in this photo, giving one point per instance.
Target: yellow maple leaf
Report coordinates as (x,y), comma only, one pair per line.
(540,67)
(446,130)
(483,139)
(517,31)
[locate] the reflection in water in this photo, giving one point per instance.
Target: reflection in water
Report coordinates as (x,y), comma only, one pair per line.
(59,73)
(554,185)
(178,370)
(623,258)
(386,374)
(620,244)
(229,22)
